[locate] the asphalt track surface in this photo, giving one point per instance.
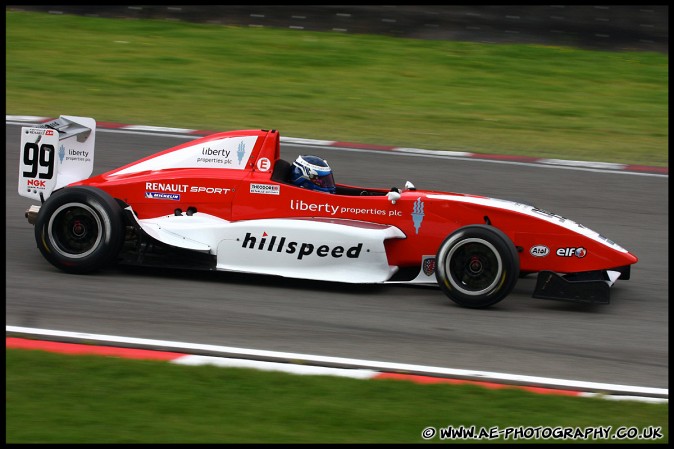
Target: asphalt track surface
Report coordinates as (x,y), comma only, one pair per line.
(625,342)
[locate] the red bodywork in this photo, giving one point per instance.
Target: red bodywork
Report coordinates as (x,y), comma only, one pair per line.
(544,241)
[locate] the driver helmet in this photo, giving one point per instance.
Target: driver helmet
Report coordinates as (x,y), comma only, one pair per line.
(312,172)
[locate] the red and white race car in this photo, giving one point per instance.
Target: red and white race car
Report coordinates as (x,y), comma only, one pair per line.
(225,202)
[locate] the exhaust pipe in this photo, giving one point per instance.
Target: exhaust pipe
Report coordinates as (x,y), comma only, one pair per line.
(31,214)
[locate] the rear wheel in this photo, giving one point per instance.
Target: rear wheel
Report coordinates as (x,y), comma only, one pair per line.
(80,229)
(477,266)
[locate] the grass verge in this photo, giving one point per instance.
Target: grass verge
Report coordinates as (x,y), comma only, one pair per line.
(55,398)
(531,100)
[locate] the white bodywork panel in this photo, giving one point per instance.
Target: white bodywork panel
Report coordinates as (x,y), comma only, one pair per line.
(613,276)
(320,249)
(198,232)
(227,153)
(426,274)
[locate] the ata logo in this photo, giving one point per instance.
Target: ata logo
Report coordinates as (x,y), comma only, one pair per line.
(539,251)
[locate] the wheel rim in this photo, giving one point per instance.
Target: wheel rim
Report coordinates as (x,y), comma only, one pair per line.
(474,266)
(75,230)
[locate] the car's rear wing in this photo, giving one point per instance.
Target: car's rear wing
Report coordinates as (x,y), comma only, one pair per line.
(55,154)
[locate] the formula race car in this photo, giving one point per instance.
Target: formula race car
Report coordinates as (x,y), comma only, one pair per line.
(226,202)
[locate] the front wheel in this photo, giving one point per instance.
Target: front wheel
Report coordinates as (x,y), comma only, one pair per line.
(80,229)
(477,266)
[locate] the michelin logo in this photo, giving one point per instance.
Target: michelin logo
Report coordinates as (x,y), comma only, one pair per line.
(162,196)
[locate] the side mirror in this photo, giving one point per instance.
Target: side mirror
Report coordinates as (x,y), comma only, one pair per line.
(393,196)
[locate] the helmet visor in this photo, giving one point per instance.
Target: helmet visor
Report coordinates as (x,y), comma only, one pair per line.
(324,181)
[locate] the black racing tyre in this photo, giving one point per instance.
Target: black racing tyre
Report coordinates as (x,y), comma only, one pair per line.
(477,266)
(80,229)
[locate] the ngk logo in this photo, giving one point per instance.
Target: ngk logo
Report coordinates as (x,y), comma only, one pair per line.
(36,183)
(49,132)
(570,252)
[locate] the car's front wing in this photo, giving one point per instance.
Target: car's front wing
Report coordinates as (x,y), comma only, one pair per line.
(587,287)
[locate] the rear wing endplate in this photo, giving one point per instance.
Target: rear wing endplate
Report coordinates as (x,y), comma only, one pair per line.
(55,154)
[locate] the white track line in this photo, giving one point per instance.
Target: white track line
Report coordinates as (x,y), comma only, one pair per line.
(338,362)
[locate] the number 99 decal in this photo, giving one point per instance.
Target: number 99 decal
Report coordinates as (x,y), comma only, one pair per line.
(38,163)
(39,159)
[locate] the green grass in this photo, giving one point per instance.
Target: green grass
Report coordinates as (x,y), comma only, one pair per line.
(54,398)
(540,101)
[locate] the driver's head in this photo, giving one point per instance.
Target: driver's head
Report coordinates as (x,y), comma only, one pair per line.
(312,172)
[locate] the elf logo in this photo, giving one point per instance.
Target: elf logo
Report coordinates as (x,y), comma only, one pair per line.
(570,252)
(539,251)
(271,243)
